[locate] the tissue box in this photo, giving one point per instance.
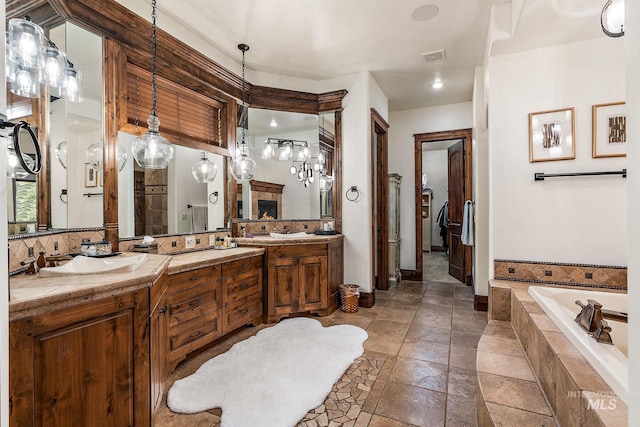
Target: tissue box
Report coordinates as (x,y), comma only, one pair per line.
(151,248)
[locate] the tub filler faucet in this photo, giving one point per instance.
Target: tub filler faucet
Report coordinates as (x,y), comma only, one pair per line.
(591,319)
(590,315)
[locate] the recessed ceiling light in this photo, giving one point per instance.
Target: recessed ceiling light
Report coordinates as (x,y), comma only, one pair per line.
(438,84)
(425,12)
(273,123)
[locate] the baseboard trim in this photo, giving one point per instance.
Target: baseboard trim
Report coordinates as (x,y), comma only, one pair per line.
(367,299)
(438,249)
(481,303)
(411,274)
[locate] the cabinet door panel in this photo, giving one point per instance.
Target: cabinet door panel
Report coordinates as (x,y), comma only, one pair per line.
(313,283)
(283,289)
(86,363)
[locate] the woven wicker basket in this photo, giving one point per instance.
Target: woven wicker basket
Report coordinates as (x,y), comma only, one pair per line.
(349,295)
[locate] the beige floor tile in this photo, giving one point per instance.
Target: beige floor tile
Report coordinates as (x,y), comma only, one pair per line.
(462,357)
(429,375)
(412,405)
(427,351)
(499,364)
(461,412)
(512,392)
(506,416)
(465,338)
(378,421)
(419,332)
(462,382)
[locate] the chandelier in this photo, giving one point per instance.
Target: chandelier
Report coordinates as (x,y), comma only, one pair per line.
(32,60)
(299,153)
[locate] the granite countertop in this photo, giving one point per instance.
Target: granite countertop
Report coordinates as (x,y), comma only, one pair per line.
(32,295)
(267,240)
(193,260)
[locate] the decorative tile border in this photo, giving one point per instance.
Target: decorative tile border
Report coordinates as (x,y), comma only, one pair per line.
(258,228)
(553,273)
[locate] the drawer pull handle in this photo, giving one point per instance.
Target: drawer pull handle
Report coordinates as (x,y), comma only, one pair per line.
(195,334)
(191,279)
(162,310)
(245,311)
(194,302)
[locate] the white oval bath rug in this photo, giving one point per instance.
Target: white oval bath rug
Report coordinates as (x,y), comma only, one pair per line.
(273,378)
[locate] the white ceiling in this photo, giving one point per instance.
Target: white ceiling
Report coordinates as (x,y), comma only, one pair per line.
(329,38)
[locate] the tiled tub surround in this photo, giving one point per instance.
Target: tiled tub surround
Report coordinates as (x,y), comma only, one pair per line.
(553,273)
(610,361)
(576,394)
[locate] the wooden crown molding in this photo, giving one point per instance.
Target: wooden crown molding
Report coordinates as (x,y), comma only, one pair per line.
(266,187)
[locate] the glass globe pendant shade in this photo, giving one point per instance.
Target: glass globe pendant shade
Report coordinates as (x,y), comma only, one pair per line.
(25,40)
(95,153)
(267,150)
(242,167)
(612,18)
(61,153)
(204,170)
(151,150)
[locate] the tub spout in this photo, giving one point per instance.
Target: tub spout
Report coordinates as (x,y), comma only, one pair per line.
(590,316)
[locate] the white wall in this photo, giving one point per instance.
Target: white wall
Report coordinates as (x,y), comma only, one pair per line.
(58,174)
(435,164)
(632,40)
(216,210)
(403,125)
(574,220)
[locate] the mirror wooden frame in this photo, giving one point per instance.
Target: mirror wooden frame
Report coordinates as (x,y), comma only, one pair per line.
(126,39)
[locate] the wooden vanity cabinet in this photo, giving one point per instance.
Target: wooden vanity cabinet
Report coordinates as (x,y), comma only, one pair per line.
(193,300)
(206,303)
(85,365)
(241,293)
(303,278)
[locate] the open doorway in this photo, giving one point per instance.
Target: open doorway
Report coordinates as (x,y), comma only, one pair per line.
(458,166)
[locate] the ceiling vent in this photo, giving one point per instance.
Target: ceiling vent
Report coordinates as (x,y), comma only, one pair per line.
(436,55)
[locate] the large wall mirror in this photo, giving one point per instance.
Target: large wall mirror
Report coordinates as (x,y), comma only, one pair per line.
(66,130)
(288,148)
(169,201)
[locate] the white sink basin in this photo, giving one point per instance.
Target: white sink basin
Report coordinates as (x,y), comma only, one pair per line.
(89,265)
(289,236)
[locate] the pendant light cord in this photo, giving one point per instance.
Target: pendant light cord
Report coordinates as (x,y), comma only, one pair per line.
(154,52)
(243,101)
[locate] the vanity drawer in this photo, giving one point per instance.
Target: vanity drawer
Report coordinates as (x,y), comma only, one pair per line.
(242,284)
(241,311)
(241,266)
(192,298)
(297,251)
(204,328)
(189,279)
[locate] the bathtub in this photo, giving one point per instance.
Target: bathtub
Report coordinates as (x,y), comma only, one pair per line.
(610,361)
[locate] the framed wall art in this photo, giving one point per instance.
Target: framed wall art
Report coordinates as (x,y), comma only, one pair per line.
(90,176)
(552,135)
(609,130)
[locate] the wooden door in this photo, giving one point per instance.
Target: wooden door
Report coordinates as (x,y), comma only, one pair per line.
(283,286)
(313,283)
(456,210)
(380,202)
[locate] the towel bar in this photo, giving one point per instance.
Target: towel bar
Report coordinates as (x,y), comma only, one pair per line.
(540,176)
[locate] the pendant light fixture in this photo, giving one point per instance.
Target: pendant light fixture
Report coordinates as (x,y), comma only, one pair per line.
(204,170)
(243,167)
(612,18)
(152,150)
(32,59)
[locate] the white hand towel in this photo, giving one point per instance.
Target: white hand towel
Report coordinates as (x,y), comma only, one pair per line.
(199,218)
(467,224)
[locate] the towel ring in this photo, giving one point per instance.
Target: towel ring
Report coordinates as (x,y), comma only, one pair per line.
(353,189)
(212,195)
(63,192)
